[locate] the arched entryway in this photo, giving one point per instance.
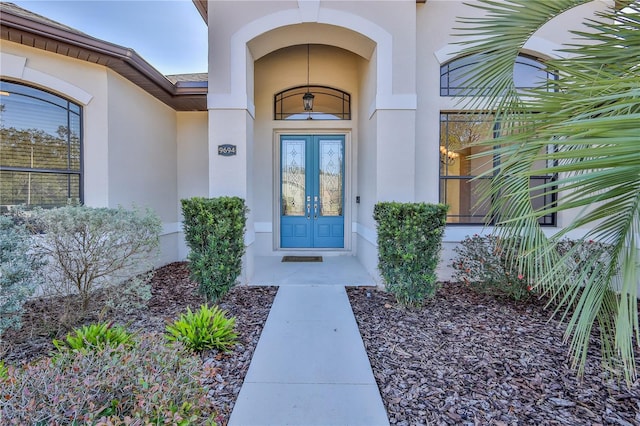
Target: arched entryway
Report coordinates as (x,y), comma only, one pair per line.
(319,46)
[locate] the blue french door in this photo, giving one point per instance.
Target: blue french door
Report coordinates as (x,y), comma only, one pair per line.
(312,191)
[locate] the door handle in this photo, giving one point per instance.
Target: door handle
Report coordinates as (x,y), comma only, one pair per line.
(308,207)
(315,206)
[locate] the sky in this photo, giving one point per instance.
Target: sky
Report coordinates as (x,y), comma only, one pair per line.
(169,34)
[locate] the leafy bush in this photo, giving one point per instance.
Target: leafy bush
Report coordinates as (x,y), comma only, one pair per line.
(207,328)
(578,256)
(93,248)
(214,231)
(4,371)
(150,383)
(483,263)
(18,272)
(409,242)
(96,337)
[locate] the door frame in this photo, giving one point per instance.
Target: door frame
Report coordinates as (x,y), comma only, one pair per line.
(276,191)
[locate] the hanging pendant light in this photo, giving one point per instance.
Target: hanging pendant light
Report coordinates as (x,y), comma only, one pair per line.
(307,98)
(307,101)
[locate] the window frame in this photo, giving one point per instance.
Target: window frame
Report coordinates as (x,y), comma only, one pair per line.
(451,90)
(317,90)
(549,220)
(71,108)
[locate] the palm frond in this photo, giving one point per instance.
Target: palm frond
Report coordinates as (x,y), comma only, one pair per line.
(584,127)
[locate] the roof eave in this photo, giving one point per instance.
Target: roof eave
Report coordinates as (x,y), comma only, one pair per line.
(203,9)
(122,60)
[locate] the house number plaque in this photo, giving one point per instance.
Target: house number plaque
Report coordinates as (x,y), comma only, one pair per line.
(226,150)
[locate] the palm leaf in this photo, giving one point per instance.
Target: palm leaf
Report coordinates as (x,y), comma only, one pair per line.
(586,131)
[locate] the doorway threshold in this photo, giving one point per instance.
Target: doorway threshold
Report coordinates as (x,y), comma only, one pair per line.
(302,258)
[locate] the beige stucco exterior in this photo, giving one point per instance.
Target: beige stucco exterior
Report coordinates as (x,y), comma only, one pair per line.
(385,54)
(129,137)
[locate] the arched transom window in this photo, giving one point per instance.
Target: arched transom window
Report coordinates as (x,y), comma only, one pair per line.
(328,104)
(40,147)
(528,72)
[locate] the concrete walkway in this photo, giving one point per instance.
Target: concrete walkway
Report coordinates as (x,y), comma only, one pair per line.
(310,366)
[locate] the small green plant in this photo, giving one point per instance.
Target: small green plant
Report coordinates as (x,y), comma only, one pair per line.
(4,371)
(214,231)
(207,328)
(151,383)
(96,337)
(409,243)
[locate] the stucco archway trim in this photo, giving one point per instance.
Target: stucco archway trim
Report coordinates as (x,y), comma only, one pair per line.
(241,57)
(535,45)
(15,67)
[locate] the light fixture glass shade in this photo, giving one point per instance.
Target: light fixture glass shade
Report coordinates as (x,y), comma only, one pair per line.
(307,101)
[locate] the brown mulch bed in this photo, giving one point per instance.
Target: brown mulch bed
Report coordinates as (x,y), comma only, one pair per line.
(172,292)
(463,359)
(472,359)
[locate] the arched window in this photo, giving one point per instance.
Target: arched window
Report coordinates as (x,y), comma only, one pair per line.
(328,104)
(40,147)
(528,72)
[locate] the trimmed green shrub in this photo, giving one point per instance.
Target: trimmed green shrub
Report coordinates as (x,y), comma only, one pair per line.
(149,383)
(96,337)
(18,272)
(207,328)
(97,248)
(483,263)
(214,231)
(409,243)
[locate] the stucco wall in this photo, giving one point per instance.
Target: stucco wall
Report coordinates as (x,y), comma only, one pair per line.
(397,18)
(143,156)
(142,149)
(192,155)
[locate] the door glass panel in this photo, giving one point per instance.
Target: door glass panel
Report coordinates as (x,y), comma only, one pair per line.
(331,159)
(293,177)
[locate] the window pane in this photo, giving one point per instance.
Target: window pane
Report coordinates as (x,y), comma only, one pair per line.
(27,91)
(293,177)
(529,72)
(328,104)
(459,134)
(331,177)
(461,194)
(74,142)
(41,189)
